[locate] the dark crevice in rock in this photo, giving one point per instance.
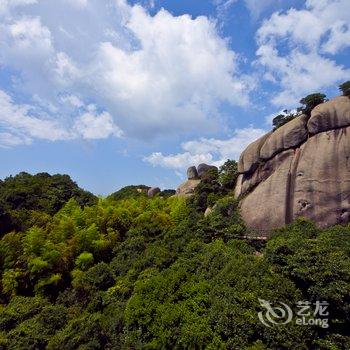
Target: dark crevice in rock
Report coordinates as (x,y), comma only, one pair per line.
(291,187)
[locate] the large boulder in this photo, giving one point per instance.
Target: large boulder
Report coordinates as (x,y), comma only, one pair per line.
(204,168)
(250,157)
(153,192)
(187,188)
(285,137)
(298,175)
(192,173)
(330,115)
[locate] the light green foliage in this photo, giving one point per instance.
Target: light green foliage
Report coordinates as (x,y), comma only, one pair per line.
(37,265)
(10,281)
(84,260)
(27,200)
(130,272)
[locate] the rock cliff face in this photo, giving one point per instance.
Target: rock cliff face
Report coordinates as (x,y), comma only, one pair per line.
(301,169)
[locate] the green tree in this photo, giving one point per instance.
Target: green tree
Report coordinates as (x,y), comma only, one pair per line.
(345,88)
(228,174)
(84,260)
(282,119)
(309,102)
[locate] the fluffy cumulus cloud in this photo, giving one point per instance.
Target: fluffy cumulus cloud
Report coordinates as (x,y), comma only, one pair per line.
(20,121)
(96,126)
(296,48)
(21,124)
(150,75)
(212,151)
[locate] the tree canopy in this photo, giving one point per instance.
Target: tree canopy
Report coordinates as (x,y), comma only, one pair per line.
(345,88)
(309,102)
(155,273)
(26,199)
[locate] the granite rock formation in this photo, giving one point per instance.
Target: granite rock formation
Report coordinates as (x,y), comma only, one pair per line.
(194,176)
(202,169)
(153,192)
(192,173)
(187,188)
(300,169)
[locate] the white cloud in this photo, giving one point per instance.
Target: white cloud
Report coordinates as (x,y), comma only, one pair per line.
(255,7)
(175,80)
(78,3)
(292,47)
(7,5)
(25,39)
(75,101)
(65,69)
(19,121)
(21,124)
(155,75)
(179,161)
(97,126)
(8,140)
(212,151)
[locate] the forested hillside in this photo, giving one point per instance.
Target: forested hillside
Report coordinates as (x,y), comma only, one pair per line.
(132,272)
(26,199)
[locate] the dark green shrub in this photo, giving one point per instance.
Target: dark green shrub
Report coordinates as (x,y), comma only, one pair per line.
(311,101)
(282,119)
(345,88)
(228,174)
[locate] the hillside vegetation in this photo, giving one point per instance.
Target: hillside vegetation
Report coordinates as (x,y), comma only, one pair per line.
(131,272)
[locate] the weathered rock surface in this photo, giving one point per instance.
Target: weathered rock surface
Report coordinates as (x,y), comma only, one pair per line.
(301,170)
(204,168)
(265,208)
(263,172)
(330,115)
(321,188)
(250,157)
(287,136)
(187,188)
(192,173)
(153,191)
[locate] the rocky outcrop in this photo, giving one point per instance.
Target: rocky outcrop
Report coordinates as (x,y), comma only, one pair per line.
(250,158)
(153,192)
(330,115)
(300,169)
(204,168)
(192,173)
(187,188)
(287,136)
(194,176)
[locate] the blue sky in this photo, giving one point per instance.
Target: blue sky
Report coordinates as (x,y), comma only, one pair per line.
(116,92)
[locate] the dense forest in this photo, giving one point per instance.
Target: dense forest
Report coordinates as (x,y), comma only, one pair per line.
(132,272)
